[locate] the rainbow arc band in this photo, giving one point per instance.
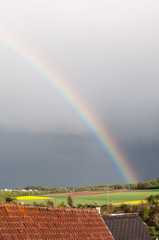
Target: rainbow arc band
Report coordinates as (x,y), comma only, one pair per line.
(102,136)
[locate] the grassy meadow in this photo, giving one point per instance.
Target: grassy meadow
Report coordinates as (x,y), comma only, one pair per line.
(117,197)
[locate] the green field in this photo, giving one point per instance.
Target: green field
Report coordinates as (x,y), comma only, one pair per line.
(118,197)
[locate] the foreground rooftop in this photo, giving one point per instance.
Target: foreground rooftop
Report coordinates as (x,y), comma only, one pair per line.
(29,222)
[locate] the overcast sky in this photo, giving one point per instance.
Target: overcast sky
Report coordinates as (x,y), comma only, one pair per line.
(108,51)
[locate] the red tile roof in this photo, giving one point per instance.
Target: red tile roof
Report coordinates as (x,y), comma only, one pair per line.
(27,222)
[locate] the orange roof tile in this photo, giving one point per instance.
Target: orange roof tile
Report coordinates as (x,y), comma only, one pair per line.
(29,222)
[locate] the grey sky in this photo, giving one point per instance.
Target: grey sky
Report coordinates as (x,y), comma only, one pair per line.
(108,52)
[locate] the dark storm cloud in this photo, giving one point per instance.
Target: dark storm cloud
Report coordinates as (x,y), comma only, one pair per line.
(108,52)
(63,160)
(144,154)
(67,160)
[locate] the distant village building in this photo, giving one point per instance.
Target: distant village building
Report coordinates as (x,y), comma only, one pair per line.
(8,190)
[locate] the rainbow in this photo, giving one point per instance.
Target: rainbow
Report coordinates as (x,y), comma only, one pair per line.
(102,136)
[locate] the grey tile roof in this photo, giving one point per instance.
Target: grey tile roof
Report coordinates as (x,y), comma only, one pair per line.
(126,227)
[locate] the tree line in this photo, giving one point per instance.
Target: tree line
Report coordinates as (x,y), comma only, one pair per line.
(151,184)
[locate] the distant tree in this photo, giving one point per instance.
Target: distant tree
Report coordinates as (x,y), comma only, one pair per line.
(43,204)
(153,182)
(62,205)
(9,199)
(70,201)
(79,205)
(96,204)
(143,185)
(126,208)
(118,186)
(152,199)
(49,203)
(110,207)
(146,214)
(156,220)
(35,204)
(133,186)
(1,199)
(153,230)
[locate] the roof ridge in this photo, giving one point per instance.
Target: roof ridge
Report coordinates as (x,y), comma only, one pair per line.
(120,214)
(50,208)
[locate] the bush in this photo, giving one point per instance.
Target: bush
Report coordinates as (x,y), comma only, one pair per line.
(62,205)
(35,204)
(1,199)
(146,214)
(128,208)
(79,205)
(152,199)
(96,204)
(49,203)
(11,200)
(70,201)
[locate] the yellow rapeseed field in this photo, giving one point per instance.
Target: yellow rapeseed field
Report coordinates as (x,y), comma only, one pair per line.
(32,198)
(132,202)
